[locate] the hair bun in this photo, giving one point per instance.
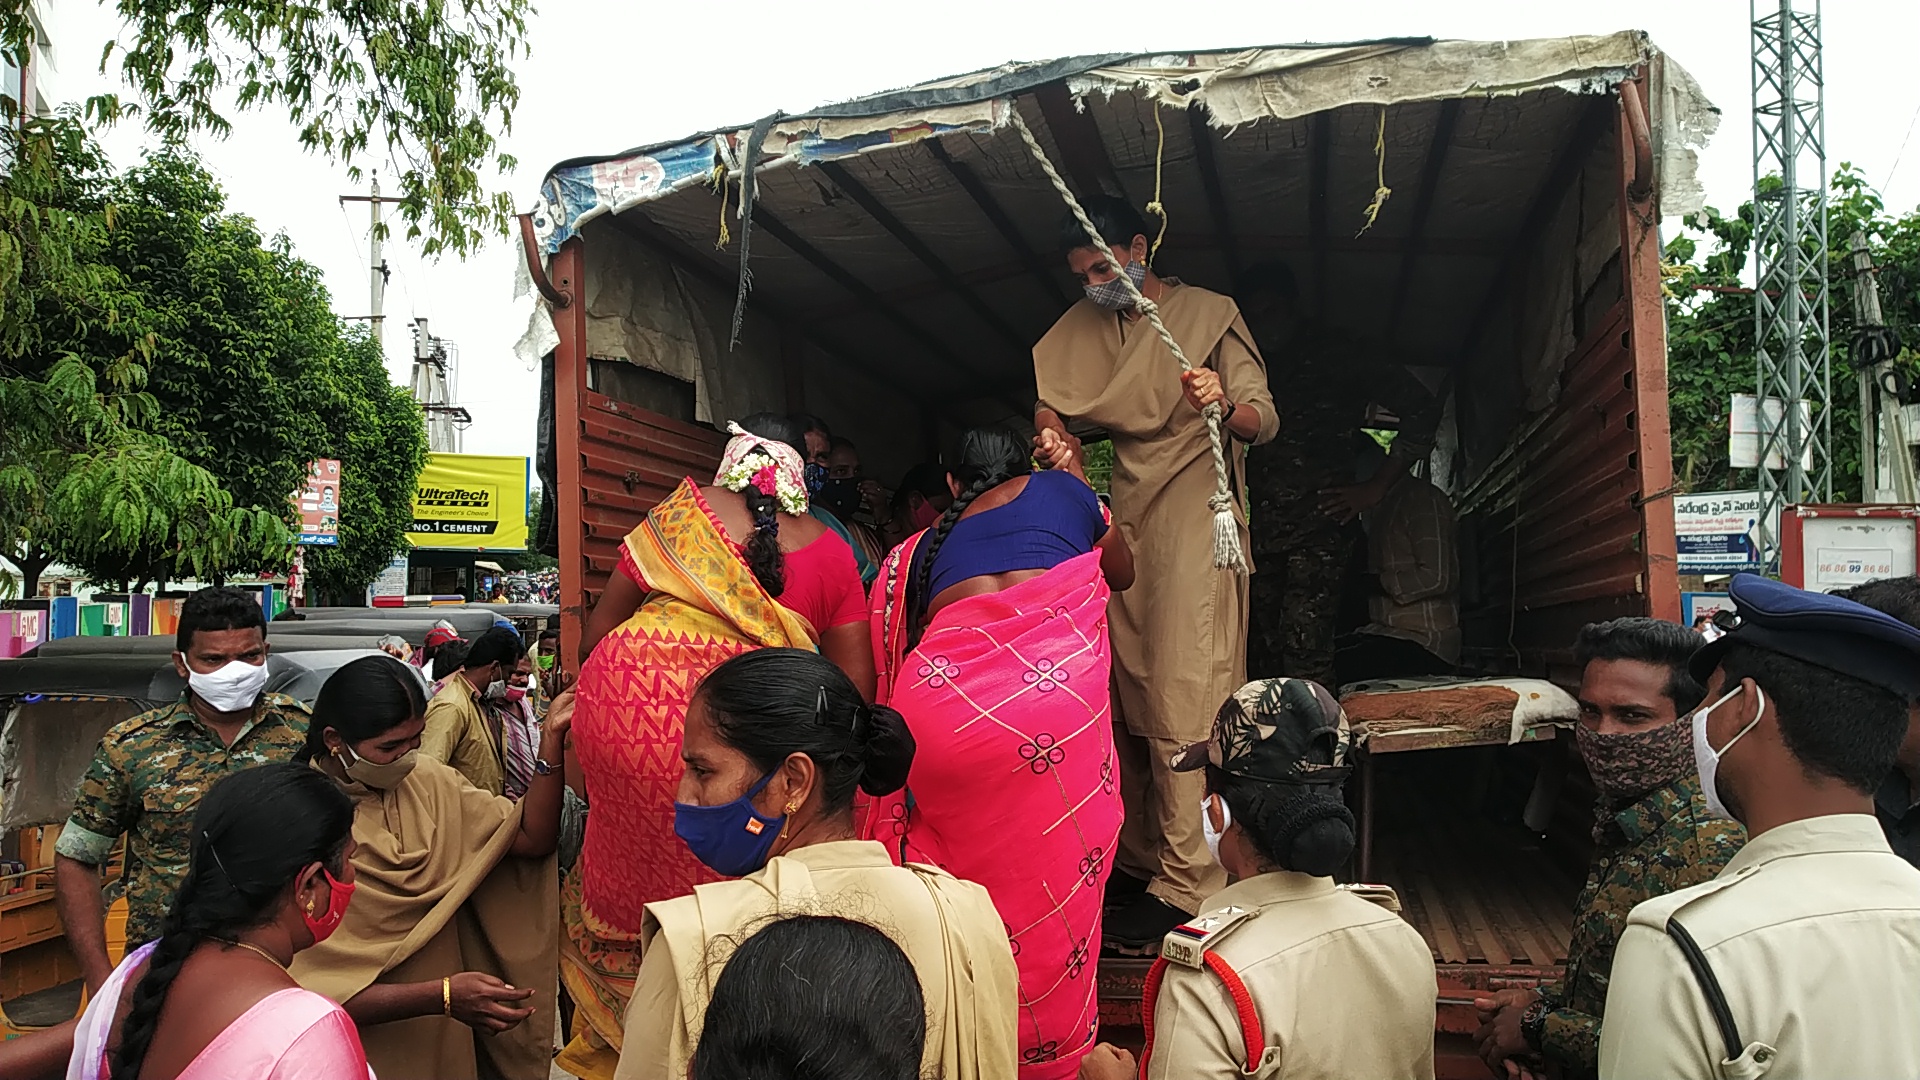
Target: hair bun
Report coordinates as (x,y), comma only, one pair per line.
(887,753)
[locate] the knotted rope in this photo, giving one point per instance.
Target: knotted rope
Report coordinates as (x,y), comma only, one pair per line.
(1227,553)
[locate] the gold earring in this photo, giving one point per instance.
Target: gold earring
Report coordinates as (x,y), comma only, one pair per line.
(787,823)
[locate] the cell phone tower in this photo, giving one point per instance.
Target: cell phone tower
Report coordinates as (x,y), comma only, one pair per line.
(1790,295)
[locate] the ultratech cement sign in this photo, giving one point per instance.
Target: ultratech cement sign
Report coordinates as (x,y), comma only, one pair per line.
(471,501)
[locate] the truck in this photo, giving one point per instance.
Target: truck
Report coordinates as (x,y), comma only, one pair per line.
(1488,210)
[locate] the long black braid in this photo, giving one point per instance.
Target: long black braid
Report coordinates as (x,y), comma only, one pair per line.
(988,458)
(764,557)
(253,834)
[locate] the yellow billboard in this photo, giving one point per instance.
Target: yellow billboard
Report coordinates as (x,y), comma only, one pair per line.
(471,501)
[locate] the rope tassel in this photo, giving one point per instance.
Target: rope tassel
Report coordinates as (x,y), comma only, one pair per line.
(1227,551)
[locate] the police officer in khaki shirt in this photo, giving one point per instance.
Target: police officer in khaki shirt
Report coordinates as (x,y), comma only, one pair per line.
(1283,974)
(1802,958)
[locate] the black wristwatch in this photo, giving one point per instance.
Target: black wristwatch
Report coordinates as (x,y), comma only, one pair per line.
(1533,1023)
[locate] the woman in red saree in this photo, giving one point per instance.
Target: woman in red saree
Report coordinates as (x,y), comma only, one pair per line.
(990,637)
(711,573)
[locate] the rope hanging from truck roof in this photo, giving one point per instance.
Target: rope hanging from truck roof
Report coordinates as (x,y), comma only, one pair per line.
(1227,552)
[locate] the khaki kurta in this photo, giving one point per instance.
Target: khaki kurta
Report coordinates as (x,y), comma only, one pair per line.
(1342,986)
(461,734)
(1180,634)
(1813,932)
(437,894)
(947,927)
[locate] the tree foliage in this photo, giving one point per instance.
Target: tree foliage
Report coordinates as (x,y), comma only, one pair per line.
(255,377)
(1711,352)
(167,375)
(375,428)
(82,476)
(427,85)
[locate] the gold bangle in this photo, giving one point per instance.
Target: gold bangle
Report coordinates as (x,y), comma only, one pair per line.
(446,995)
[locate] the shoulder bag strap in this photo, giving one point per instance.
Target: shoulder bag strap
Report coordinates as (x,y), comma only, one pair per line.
(1709,987)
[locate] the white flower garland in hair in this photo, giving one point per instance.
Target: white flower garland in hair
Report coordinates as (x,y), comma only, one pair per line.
(773,468)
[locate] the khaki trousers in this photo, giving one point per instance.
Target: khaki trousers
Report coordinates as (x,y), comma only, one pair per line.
(1162,839)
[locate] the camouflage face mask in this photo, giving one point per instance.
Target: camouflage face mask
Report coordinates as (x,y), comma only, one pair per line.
(1628,765)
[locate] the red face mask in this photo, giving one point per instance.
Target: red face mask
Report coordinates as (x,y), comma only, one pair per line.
(924,515)
(338,896)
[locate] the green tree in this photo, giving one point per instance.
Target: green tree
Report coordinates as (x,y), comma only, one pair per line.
(1710,328)
(375,428)
(81,476)
(237,323)
(427,85)
(254,376)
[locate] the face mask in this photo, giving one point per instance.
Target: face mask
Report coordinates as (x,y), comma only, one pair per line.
(924,514)
(235,686)
(1628,765)
(496,690)
(545,661)
(1206,823)
(515,693)
(374,775)
(732,839)
(840,496)
(816,474)
(1706,760)
(1113,295)
(339,894)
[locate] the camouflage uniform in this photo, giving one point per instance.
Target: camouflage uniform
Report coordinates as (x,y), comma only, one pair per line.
(146,780)
(1660,844)
(1322,383)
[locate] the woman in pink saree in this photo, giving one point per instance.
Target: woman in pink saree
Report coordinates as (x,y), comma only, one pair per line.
(270,875)
(990,636)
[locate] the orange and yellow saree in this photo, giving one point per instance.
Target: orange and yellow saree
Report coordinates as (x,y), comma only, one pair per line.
(703,606)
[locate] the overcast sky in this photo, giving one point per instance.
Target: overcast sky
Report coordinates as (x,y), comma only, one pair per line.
(605,77)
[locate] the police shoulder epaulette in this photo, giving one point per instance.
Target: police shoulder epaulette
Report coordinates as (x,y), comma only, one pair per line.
(1382,895)
(1187,944)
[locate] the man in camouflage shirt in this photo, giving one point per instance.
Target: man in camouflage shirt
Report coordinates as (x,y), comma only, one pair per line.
(1652,836)
(1301,487)
(149,773)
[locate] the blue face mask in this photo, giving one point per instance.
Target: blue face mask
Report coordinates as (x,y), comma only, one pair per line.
(1114,296)
(732,839)
(816,477)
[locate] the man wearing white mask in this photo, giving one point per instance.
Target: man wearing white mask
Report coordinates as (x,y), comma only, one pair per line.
(1801,958)
(149,773)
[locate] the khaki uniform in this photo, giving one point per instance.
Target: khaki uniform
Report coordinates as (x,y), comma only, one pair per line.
(1813,934)
(461,734)
(1179,636)
(1343,988)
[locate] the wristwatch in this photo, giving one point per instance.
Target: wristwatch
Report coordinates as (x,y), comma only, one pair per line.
(1533,1023)
(541,768)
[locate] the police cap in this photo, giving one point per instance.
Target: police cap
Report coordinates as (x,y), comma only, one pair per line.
(1820,629)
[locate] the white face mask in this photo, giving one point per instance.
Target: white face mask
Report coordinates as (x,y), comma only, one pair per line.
(234,686)
(1706,760)
(1207,810)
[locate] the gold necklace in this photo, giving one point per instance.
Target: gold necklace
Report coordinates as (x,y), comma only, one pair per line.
(257,949)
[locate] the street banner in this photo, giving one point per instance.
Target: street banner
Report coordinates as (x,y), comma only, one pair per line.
(1719,532)
(471,502)
(319,503)
(392,582)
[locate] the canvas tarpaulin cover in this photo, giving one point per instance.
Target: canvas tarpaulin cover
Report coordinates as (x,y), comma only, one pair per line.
(909,239)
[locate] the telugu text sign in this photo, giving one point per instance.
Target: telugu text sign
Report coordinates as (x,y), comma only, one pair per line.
(318,504)
(1718,533)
